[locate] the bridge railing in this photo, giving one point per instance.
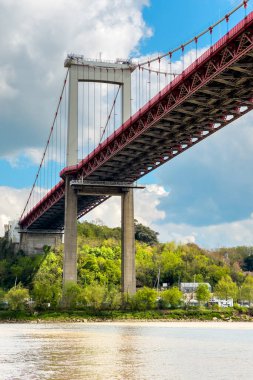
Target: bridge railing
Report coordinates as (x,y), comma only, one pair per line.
(99,105)
(155,72)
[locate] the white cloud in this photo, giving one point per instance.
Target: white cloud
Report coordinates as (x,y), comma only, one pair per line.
(33,156)
(214,236)
(35,38)
(146,210)
(11,204)
(7,89)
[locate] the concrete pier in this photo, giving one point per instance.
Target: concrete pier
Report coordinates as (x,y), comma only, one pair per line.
(128,276)
(32,242)
(125,191)
(118,73)
(70,234)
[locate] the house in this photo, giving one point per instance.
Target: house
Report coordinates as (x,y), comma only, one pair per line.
(11,231)
(222,303)
(191,287)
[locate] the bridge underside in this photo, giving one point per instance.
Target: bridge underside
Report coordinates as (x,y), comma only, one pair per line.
(213,92)
(53,218)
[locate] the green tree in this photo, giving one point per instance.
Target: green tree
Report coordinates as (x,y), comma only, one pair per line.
(203,293)
(237,274)
(216,272)
(171,264)
(172,297)
(144,299)
(147,265)
(3,272)
(17,298)
(47,283)
(248,263)
(93,296)
(247,290)
(2,295)
(145,234)
(226,288)
(97,231)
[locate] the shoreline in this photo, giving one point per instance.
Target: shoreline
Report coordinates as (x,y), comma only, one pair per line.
(79,316)
(138,323)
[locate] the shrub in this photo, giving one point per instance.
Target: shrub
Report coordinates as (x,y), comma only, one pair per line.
(17,298)
(113,299)
(144,299)
(93,296)
(70,295)
(171,297)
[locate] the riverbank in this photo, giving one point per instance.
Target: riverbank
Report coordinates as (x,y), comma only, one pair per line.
(227,315)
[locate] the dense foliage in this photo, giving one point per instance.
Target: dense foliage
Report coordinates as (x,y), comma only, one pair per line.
(39,277)
(17,267)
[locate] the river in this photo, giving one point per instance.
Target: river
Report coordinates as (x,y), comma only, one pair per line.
(127,350)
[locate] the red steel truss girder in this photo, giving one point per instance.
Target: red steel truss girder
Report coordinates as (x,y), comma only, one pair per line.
(50,199)
(229,51)
(215,61)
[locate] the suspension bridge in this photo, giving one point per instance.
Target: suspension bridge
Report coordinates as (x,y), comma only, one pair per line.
(117,121)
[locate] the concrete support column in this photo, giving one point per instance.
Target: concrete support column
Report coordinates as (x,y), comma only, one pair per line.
(128,276)
(70,216)
(102,72)
(126,96)
(72,138)
(70,234)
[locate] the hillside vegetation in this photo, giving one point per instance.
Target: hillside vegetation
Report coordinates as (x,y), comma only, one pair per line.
(39,277)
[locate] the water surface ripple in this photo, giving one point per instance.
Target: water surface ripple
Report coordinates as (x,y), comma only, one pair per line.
(135,351)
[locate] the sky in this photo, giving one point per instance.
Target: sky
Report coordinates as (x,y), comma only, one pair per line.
(204,195)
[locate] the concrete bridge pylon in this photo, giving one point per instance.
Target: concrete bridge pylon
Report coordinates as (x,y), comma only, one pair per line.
(119,73)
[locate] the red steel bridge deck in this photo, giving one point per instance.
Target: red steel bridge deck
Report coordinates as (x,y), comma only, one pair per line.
(212,92)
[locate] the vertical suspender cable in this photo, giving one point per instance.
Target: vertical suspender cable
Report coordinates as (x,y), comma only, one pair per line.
(65,128)
(149,80)
(245,3)
(100,103)
(60,136)
(94,101)
(211,38)
(182,47)
(51,161)
(88,100)
(170,55)
(139,85)
(82,123)
(142,91)
(55,148)
(107,100)
(159,69)
(227,21)
(136,90)
(196,48)
(114,113)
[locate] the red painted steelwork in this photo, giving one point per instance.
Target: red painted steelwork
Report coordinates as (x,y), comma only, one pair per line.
(207,96)
(168,98)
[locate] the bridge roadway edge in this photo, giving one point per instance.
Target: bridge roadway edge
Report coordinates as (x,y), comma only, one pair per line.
(140,122)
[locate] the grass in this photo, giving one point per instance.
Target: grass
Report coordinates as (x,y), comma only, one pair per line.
(114,315)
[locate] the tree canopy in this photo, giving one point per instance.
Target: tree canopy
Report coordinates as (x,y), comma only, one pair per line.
(99,268)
